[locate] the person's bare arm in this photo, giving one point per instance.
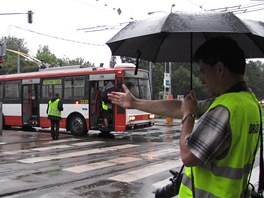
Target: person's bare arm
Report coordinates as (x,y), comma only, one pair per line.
(189,106)
(170,108)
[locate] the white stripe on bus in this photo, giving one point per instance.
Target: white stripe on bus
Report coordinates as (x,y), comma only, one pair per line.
(98,165)
(75,154)
(146,171)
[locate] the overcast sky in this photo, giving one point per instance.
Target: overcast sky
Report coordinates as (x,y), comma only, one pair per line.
(74,21)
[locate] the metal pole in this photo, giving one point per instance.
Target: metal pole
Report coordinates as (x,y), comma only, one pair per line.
(170,78)
(150,78)
(18,62)
(1,119)
(164,89)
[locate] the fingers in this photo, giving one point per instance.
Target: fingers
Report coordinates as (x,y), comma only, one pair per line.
(191,95)
(125,88)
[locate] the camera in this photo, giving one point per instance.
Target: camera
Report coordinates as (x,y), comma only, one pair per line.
(171,189)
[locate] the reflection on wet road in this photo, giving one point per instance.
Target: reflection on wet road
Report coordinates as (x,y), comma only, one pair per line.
(131,164)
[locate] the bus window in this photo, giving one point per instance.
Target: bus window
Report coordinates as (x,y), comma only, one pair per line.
(50,87)
(46,92)
(139,87)
(74,87)
(144,89)
(132,85)
(12,89)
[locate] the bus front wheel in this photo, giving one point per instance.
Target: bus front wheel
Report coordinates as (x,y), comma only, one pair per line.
(77,125)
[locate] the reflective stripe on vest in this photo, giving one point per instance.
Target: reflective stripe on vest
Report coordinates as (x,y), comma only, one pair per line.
(104,106)
(53,108)
(227,177)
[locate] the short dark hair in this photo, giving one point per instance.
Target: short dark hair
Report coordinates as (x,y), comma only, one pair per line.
(223,49)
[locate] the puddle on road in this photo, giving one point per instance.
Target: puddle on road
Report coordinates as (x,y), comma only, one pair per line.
(111,189)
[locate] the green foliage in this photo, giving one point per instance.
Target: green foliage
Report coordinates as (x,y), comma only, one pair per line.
(180,82)
(255,77)
(10,64)
(44,55)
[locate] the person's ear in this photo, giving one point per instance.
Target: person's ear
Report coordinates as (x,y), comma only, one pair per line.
(221,69)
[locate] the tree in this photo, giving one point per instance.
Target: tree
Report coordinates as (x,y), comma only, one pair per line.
(10,65)
(255,77)
(45,55)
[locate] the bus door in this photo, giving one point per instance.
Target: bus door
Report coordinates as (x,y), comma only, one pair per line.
(30,102)
(97,82)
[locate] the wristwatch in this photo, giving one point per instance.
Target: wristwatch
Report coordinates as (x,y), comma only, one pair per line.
(186,116)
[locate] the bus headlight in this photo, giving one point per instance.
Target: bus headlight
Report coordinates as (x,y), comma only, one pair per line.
(131,118)
(151,116)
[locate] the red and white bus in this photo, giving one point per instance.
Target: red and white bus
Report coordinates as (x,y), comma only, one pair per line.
(25,97)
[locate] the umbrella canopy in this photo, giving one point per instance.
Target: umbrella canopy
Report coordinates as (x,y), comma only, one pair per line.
(174,37)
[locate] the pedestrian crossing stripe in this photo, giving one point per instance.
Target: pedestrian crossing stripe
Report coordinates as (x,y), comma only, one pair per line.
(155,154)
(145,172)
(63,140)
(121,160)
(75,154)
(47,148)
(128,177)
(104,164)
(51,148)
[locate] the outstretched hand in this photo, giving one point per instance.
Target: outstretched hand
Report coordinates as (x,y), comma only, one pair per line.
(124,99)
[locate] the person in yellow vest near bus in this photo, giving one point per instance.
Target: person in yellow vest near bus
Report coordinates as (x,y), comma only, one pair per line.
(218,151)
(105,108)
(55,106)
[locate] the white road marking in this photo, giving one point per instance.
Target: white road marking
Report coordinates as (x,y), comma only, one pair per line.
(2,143)
(162,183)
(87,143)
(75,154)
(47,148)
(147,171)
(98,165)
(15,152)
(51,148)
(155,154)
(63,140)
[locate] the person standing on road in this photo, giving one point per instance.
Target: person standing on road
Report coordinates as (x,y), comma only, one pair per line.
(219,150)
(55,106)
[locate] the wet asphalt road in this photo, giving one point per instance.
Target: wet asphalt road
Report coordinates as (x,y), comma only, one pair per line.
(131,164)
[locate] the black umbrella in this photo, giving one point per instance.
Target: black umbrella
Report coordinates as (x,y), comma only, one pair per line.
(174,37)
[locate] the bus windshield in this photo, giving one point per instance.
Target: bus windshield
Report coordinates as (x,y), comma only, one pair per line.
(138,85)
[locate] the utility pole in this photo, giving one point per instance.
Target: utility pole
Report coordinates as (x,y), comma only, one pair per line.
(170,78)
(18,62)
(150,78)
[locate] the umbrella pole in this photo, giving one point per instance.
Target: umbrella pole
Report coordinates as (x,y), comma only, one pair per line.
(191,71)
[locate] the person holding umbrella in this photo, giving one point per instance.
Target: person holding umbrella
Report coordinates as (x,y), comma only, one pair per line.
(219,150)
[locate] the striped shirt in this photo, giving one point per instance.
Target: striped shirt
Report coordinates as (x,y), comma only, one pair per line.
(211,136)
